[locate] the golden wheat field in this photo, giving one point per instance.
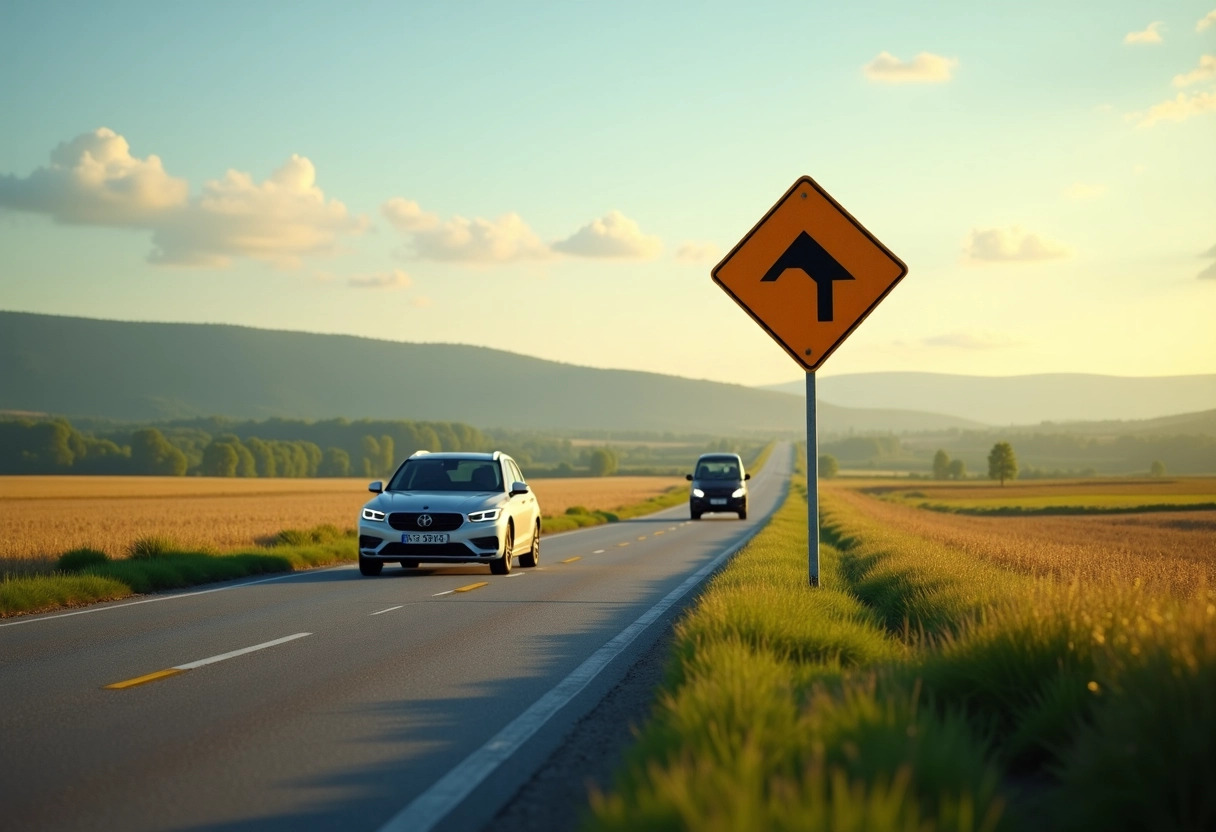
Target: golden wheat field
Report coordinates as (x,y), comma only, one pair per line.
(1173,551)
(45,516)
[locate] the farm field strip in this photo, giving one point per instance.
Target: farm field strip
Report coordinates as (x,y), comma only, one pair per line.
(928,684)
(44,516)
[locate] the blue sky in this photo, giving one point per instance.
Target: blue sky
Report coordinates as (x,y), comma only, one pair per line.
(558,179)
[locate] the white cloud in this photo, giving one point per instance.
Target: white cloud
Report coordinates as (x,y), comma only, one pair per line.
(972,339)
(1206,21)
(94,179)
(925,68)
(278,220)
(1082,191)
(1152,34)
(1011,245)
(504,240)
(394,279)
(694,252)
(1180,108)
(1205,70)
(614,235)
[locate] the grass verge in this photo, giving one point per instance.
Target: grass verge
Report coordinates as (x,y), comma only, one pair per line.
(921,687)
(85,576)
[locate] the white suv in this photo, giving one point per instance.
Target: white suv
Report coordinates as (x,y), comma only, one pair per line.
(451,508)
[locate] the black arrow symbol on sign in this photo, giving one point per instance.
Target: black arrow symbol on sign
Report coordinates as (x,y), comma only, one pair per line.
(820,266)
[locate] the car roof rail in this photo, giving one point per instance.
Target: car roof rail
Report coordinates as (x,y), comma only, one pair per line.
(498,455)
(419,453)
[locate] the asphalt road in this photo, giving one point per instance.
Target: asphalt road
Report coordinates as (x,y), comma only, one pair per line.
(396,702)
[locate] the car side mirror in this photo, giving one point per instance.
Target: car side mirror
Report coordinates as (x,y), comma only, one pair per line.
(688,477)
(747,476)
(519,488)
(376,487)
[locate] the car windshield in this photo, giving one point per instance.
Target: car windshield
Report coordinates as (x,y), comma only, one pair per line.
(447,475)
(724,470)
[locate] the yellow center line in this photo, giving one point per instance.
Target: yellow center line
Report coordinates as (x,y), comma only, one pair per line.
(143,680)
(573,559)
(659,532)
(471,587)
(626,543)
(643,537)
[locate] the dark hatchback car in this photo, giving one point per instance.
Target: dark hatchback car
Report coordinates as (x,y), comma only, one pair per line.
(718,484)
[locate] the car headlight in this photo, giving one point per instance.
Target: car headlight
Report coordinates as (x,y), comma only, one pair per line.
(696,492)
(485,516)
(373,515)
(737,493)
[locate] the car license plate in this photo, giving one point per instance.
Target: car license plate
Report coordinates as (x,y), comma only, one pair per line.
(718,501)
(423,537)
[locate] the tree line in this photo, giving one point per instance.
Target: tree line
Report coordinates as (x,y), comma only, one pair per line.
(57,447)
(219,447)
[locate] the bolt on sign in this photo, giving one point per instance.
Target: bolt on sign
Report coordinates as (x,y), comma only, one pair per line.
(809,273)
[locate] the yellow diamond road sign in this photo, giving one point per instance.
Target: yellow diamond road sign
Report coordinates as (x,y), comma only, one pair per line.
(809,273)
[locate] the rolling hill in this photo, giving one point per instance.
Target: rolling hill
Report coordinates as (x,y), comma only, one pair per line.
(131,372)
(1020,400)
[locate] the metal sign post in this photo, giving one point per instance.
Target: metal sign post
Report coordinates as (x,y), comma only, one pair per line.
(809,273)
(812,482)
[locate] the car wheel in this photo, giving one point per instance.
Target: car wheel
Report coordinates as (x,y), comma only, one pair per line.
(533,556)
(410,564)
(743,514)
(369,567)
(502,566)
(696,515)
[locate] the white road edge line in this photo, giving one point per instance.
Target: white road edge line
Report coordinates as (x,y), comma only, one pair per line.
(390,609)
(437,594)
(173,597)
(232,655)
(429,808)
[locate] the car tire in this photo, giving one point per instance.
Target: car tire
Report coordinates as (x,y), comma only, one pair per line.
(409,564)
(502,566)
(743,514)
(532,558)
(696,515)
(369,567)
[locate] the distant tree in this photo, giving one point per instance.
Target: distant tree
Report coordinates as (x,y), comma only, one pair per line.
(1002,463)
(263,457)
(941,465)
(603,462)
(957,469)
(1157,469)
(152,454)
(335,463)
(387,462)
(370,460)
(220,459)
(828,466)
(246,466)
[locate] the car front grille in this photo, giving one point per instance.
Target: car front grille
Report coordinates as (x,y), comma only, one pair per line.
(424,550)
(407,521)
(718,492)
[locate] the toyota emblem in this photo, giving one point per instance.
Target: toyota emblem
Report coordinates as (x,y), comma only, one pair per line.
(425,520)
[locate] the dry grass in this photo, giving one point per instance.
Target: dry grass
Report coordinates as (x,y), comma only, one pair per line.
(43,516)
(598,493)
(1175,552)
(1056,489)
